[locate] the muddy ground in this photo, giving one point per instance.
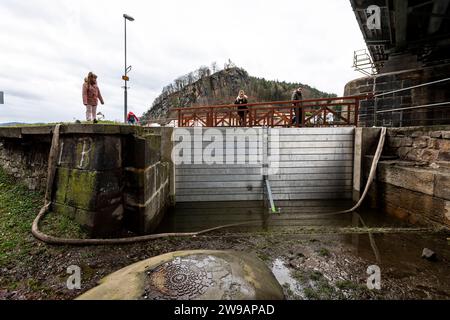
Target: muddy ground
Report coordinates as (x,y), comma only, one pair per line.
(318,266)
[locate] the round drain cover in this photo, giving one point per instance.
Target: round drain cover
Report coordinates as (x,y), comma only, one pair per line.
(191,275)
(183,278)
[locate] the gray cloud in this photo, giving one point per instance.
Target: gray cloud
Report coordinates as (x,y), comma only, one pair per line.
(49,46)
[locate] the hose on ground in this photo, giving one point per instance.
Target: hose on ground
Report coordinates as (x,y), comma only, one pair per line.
(52,164)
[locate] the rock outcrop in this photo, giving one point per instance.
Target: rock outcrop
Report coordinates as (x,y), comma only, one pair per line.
(221,88)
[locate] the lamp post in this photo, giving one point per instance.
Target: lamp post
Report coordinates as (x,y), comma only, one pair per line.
(127,69)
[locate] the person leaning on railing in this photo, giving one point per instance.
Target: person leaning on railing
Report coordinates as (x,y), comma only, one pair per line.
(297,96)
(242,110)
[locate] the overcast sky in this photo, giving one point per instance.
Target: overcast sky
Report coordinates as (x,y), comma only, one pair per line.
(48,47)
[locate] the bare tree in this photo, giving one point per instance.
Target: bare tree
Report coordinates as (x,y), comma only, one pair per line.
(214,67)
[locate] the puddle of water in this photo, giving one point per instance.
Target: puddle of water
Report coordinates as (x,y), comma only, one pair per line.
(283,276)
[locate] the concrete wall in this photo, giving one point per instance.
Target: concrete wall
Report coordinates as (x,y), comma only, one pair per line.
(366,142)
(419,96)
(108,178)
(197,179)
(301,164)
(314,163)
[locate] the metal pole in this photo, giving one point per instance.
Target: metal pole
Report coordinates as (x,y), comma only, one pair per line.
(412,87)
(417,107)
(125,97)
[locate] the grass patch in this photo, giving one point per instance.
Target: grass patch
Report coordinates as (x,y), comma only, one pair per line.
(347,285)
(324,252)
(264,256)
(60,225)
(18,208)
(355,290)
(19,125)
(288,290)
(315,286)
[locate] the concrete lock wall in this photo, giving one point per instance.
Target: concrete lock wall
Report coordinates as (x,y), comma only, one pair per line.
(147,181)
(111,178)
(413,176)
(108,177)
(305,163)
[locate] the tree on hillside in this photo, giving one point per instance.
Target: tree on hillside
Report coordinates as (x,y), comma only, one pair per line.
(214,67)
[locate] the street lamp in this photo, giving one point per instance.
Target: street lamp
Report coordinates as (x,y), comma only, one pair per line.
(127,68)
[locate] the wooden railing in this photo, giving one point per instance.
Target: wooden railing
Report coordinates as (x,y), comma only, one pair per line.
(322,112)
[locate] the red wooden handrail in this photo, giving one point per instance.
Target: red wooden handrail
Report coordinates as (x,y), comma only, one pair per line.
(361,97)
(313,112)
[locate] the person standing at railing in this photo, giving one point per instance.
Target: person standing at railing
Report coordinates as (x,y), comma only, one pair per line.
(242,110)
(297,96)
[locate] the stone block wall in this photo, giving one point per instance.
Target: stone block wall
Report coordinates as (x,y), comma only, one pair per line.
(419,195)
(388,82)
(413,176)
(26,159)
(88,182)
(420,144)
(108,178)
(147,183)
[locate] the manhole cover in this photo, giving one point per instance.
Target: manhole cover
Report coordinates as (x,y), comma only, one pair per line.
(183,278)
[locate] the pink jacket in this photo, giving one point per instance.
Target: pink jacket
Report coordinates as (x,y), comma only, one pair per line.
(91,95)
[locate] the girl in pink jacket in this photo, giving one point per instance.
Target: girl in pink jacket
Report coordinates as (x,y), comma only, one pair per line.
(91,96)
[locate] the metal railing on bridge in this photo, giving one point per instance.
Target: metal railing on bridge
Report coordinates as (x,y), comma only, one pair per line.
(323,112)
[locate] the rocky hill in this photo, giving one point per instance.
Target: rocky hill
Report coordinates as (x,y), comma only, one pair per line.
(203,87)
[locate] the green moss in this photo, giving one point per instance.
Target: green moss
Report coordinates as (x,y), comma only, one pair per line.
(81,189)
(62,181)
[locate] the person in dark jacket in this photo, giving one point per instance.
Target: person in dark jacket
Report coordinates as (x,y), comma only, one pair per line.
(242,110)
(297,96)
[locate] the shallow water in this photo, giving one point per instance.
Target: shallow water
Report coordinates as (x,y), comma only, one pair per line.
(283,276)
(366,237)
(187,217)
